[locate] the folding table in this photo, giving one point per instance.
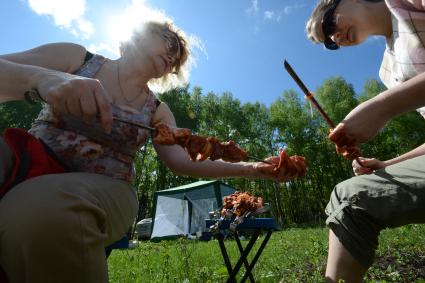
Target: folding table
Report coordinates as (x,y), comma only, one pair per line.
(254,224)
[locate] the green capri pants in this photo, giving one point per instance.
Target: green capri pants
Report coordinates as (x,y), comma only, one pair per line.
(54,228)
(360,207)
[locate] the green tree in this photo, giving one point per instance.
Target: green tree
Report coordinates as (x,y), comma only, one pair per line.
(337,98)
(18,114)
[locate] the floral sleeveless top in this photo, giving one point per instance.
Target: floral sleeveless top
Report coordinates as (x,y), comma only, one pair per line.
(86,147)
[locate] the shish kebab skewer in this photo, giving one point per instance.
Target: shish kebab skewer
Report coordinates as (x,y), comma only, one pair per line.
(154,132)
(310,97)
(200,148)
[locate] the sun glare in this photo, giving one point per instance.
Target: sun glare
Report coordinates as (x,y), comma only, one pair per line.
(121,25)
(119,28)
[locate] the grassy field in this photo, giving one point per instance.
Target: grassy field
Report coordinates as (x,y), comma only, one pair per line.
(292,255)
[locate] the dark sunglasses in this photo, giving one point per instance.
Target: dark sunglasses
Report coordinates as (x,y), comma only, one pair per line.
(329,26)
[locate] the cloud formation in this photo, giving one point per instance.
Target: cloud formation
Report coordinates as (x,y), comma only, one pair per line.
(278,15)
(289,9)
(68,14)
(253,9)
(272,15)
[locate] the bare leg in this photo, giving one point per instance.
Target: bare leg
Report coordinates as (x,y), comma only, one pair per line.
(341,265)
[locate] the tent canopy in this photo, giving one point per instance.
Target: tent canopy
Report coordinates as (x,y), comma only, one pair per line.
(183,210)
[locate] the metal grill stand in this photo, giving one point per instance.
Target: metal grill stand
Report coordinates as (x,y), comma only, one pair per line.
(257,225)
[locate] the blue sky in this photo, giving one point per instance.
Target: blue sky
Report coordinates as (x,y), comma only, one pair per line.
(242,43)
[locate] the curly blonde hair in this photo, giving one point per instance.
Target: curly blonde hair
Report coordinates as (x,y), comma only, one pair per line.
(180,72)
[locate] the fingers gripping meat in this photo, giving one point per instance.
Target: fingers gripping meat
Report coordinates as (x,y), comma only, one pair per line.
(291,165)
(346,146)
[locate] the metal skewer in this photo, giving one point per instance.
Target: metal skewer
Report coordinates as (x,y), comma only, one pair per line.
(153,130)
(259,159)
(311,98)
(135,124)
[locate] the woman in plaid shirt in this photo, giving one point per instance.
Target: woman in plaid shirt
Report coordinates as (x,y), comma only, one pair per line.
(392,193)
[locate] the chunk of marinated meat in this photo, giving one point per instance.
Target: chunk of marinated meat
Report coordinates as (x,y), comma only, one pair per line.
(232,152)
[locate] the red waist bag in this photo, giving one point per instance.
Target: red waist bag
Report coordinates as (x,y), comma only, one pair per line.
(32,158)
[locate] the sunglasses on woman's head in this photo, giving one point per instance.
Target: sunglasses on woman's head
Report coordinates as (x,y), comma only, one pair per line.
(329,26)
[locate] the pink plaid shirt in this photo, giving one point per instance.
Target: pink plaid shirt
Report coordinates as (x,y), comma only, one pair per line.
(404,56)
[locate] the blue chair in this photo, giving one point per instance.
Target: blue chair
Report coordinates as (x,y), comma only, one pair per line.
(123,243)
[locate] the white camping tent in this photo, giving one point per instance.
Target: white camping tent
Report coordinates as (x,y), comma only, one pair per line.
(183,210)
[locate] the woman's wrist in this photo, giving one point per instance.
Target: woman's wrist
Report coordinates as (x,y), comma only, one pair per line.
(37,76)
(248,169)
(255,172)
(16,79)
(390,162)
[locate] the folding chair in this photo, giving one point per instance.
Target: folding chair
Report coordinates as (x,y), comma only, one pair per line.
(257,225)
(123,243)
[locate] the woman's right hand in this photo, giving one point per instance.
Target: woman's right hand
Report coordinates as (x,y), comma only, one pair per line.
(77,96)
(361,124)
(368,165)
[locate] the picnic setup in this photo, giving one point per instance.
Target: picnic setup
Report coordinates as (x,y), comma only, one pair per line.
(208,210)
(212,141)
(237,215)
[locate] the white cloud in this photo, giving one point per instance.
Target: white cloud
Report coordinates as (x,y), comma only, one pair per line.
(277,15)
(291,8)
(269,15)
(273,16)
(253,10)
(68,14)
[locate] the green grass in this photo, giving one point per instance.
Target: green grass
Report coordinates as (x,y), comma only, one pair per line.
(293,255)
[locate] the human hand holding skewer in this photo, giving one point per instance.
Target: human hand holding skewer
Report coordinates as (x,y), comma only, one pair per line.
(344,146)
(200,148)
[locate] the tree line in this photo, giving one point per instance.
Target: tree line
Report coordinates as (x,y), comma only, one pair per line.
(289,122)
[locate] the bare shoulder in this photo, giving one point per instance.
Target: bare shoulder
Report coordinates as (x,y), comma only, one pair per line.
(163,114)
(61,56)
